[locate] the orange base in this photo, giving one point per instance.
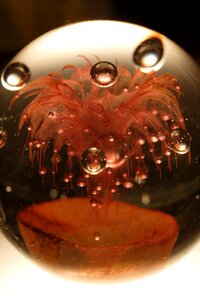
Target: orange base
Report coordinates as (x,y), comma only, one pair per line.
(131,240)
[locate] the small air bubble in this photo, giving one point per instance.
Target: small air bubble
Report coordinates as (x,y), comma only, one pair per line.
(81,182)
(98,186)
(54,193)
(97,236)
(43,171)
(145,199)
(3,137)
(51,114)
(117,181)
(8,189)
(93,203)
(67,177)
(180,141)
(128,182)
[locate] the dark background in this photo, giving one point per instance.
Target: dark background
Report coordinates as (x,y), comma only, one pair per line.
(21,21)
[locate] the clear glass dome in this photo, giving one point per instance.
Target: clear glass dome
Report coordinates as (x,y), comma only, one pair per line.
(99,150)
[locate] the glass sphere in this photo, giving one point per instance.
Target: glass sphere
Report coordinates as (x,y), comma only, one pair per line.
(99,150)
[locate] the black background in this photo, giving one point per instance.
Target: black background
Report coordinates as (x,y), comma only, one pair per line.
(21,21)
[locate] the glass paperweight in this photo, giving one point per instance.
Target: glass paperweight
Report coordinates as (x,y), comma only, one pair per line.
(99,150)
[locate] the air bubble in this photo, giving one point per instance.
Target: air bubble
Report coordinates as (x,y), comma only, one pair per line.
(98,186)
(114,149)
(140,178)
(51,114)
(104,74)
(81,182)
(15,76)
(145,199)
(180,141)
(128,182)
(3,137)
(93,203)
(43,171)
(97,236)
(67,177)
(53,193)
(93,161)
(8,189)
(117,181)
(149,53)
